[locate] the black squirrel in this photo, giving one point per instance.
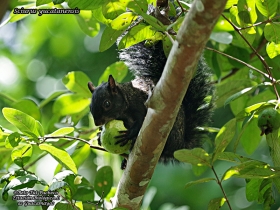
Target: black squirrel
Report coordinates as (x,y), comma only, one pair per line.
(126,102)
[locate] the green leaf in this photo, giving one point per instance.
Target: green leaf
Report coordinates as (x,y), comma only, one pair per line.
(5,195)
(216,203)
(21,154)
(216,64)
(224,26)
(40,129)
(118,70)
(250,137)
(3,135)
(115,29)
(247,11)
(68,104)
(198,170)
(29,107)
(57,1)
(252,169)
(20,182)
(98,15)
(85,4)
(123,21)
(60,156)
(224,137)
(230,3)
(196,156)
(234,15)
(57,184)
(76,81)
(265,95)
(276,183)
(88,23)
(41,2)
(25,123)
(252,192)
(232,157)
(239,94)
(231,87)
(138,34)
(84,193)
(239,53)
(138,6)
(16,15)
(79,156)
(76,186)
(268,199)
(13,140)
(249,34)
(59,177)
(52,97)
(108,38)
(9,176)
(155,23)
(273,141)
(113,8)
(272,49)
(62,131)
(199,181)
(256,107)
(103,181)
(271,32)
(267,8)
(5,157)
(239,104)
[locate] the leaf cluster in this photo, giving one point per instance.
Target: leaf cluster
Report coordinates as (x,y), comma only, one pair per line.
(243,52)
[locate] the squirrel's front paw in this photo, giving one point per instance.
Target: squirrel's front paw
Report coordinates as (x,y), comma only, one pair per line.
(123,138)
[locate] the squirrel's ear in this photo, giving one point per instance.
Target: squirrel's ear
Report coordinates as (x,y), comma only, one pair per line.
(90,87)
(112,84)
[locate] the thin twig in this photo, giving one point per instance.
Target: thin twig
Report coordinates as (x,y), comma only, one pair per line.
(182,8)
(4,96)
(233,72)
(267,68)
(69,202)
(246,64)
(260,23)
(248,43)
(220,185)
(72,138)
(78,139)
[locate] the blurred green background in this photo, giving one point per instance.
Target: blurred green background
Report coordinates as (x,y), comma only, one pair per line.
(37,52)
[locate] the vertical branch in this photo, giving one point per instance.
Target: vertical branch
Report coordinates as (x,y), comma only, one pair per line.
(165,101)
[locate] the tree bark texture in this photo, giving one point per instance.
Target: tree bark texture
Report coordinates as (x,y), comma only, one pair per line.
(166,98)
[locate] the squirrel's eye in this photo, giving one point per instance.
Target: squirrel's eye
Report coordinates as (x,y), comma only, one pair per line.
(106,104)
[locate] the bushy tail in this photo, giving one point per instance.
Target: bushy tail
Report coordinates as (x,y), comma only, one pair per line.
(197,109)
(144,61)
(149,62)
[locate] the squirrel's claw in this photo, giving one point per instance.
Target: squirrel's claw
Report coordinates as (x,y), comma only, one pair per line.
(123,138)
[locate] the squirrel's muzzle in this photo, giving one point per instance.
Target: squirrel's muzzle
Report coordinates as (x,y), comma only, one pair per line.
(99,122)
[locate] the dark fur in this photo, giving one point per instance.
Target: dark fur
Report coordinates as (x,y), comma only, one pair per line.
(128,101)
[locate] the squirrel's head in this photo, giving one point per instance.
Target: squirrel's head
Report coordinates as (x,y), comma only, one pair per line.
(107,101)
